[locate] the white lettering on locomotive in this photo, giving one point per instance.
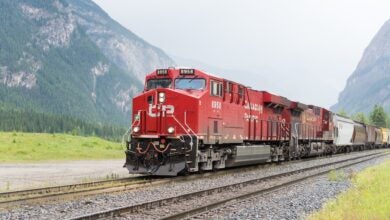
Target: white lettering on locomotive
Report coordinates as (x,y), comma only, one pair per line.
(250,117)
(254,107)
(216,105)
(168,109)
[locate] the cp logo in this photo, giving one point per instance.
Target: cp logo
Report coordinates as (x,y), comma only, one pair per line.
(168,109)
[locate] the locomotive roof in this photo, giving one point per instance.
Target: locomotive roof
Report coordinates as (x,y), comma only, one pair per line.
(175,71)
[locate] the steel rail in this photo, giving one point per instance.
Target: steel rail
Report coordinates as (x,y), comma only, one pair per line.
(161,202)
(56,191)
(20,196)
(99,187)
(96,187)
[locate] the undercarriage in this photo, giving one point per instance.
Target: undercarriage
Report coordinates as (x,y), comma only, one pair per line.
(164,156)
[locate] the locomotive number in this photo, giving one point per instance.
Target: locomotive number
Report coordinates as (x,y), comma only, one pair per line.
(216,105)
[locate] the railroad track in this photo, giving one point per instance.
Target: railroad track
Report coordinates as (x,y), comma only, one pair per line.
(184,206)
(71,191)
(21,196)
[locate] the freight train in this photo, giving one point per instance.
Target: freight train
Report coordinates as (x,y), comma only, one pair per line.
(186,120)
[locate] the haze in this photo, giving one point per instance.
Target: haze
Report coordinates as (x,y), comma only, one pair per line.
(303,49)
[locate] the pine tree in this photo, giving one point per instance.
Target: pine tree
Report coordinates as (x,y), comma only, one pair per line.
(378,116)
(342,112)
(29,121)
(361,117)
(388,121)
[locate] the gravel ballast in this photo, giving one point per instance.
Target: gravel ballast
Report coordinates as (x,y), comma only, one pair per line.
(69,209)
(293,202)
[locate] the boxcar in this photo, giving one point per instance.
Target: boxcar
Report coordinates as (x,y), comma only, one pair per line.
(359,134)
(344,128)
(378,137)
(385,136)
(371,135)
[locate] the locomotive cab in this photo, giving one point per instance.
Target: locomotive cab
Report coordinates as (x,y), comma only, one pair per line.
(164,131)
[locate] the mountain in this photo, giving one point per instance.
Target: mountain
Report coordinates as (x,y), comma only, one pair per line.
(370,82)
(119,45)
(68,57)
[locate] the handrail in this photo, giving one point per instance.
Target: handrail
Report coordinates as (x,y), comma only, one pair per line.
(185,123)
(128,130)
(177,121)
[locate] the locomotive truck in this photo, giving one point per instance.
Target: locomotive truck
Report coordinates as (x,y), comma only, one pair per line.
(186,120)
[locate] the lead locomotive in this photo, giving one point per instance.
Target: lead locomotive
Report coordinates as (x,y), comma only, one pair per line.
(186,120)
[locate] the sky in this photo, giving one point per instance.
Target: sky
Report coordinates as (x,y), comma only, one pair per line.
(302,49)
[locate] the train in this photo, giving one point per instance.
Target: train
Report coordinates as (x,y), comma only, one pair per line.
(186,120)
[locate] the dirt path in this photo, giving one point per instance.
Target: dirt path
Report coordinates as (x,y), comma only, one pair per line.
(32,175)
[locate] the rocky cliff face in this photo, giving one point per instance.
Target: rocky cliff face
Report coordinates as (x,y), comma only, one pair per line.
(370,82)
(69,57)
(120,46)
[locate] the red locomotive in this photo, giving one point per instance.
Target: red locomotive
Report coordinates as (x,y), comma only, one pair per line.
(186,120)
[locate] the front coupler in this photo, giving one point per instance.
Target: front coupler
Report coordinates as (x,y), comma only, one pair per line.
(160,156)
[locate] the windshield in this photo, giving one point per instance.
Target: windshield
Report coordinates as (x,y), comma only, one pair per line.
(197,84)
(158,83)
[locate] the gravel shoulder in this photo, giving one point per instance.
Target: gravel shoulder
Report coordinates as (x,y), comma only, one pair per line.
(293,202)
(17,176)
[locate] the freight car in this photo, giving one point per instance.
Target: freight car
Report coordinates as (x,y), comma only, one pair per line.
(186,121)
(385,136)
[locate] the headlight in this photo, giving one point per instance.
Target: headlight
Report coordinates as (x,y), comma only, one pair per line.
(161,97)
(171,130)
(136,129)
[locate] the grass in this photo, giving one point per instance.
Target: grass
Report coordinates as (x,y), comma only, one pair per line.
(31,147)
(336,176)
(369,198)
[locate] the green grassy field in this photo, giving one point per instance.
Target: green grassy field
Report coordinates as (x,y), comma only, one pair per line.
(30,147)
(369,198)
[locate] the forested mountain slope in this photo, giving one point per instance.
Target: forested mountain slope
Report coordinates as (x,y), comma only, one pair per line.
(68,57)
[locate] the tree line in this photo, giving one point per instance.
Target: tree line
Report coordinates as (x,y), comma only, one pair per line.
(377,117)
(30,121)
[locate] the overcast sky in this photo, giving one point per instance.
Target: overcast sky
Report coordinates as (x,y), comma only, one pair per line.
(302,49)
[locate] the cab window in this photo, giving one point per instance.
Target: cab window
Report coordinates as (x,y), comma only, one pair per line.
(216,88)
(158,83)
(240,92)
(228,87)
(317,111)
(191,83)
